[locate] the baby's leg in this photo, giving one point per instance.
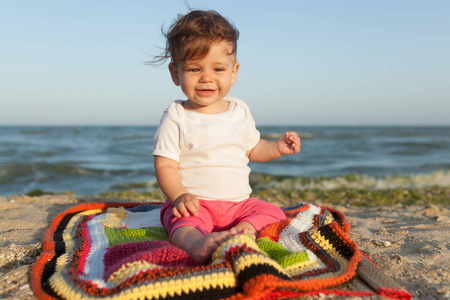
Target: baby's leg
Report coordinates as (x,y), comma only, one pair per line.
(199,246)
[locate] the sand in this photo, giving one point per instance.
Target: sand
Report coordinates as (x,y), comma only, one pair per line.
(410,243)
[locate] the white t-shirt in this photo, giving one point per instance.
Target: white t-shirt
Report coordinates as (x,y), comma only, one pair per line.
(210,149)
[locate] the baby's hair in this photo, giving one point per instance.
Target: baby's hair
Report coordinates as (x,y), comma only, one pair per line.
(191,35)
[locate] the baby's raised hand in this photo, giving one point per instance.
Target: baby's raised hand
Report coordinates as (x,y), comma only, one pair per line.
(289,143)
(185,205)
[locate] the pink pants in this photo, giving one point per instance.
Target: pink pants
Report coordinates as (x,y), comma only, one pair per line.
(223,215)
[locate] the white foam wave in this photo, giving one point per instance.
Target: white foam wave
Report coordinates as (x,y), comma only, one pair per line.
(354,181)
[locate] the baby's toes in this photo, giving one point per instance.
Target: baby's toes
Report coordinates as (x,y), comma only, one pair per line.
(233,231)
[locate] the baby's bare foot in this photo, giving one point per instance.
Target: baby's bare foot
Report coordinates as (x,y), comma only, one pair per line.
(245,228)
(204,247)
(249,232)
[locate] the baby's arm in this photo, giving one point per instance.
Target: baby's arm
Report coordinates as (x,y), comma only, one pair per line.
(266,151)
(170,182)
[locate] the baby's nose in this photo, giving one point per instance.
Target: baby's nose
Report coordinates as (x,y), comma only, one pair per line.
(206,76)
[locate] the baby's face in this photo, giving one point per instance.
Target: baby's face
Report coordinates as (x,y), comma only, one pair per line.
(207,81)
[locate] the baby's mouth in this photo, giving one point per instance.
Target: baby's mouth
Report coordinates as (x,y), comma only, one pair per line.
(205,92)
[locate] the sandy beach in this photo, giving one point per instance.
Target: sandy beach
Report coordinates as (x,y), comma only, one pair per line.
(411,244)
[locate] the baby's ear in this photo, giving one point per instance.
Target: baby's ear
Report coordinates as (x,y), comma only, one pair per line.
(234,73)
(175,74)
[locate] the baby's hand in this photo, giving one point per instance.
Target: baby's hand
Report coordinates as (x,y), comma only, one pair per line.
(185,205)
(289,143)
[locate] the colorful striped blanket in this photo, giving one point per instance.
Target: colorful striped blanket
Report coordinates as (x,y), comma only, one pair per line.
(121,251)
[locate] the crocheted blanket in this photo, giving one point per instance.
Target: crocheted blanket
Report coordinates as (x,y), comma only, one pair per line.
(121,251)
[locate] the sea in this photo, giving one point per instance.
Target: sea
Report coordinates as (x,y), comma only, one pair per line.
(90,160)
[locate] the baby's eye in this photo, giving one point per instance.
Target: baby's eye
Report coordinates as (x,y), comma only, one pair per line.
(194,70)
(219,69)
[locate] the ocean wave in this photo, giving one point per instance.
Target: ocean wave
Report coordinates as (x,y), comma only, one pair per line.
(138,186)
(353,181)
(20,172)
(20,178)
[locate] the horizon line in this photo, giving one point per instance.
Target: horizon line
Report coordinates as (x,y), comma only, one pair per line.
(259,125)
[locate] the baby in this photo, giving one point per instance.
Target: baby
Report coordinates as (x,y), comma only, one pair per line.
(204,143)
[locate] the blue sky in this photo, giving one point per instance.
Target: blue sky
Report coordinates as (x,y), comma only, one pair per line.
(302,62)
